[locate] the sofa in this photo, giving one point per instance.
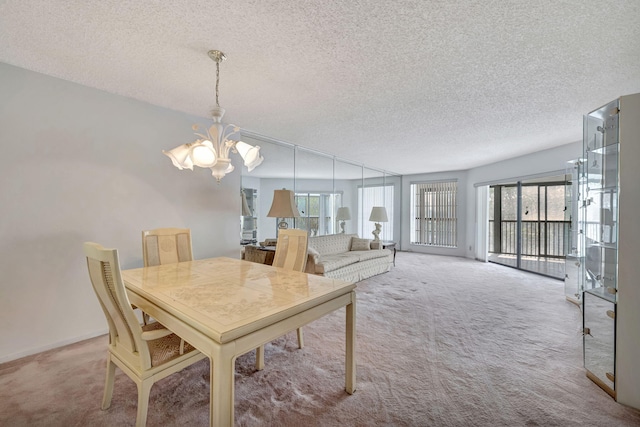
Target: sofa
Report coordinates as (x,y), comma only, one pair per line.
(347,257)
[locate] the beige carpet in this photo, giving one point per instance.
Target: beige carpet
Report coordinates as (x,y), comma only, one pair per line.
(441,342)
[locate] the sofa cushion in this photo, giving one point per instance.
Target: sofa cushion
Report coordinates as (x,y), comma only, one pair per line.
(332,243)
(333,262)
(360,244)
(365,255)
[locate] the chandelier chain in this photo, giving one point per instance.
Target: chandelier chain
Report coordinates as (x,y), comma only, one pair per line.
(217,81)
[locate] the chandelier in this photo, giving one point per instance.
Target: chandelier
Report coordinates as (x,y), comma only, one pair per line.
(212,150)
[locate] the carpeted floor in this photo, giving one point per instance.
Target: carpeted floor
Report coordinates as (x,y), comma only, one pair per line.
(441,342)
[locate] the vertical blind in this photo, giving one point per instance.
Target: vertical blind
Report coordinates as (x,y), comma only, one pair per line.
(434,209)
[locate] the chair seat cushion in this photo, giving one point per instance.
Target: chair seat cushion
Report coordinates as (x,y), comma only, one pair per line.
(166,348)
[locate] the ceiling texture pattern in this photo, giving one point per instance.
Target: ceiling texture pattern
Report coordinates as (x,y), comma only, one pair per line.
(404,86)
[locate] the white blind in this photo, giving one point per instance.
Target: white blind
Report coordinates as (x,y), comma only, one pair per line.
(375,196)
(434,209)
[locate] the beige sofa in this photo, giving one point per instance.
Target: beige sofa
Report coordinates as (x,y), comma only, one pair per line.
(346,257)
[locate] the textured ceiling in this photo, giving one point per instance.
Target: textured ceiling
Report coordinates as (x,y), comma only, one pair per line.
(405,86)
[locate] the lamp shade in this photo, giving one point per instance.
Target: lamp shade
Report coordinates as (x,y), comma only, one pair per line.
(283,205)
(180,156)
(203,154)
(378,214)
(250,155)
(343,214)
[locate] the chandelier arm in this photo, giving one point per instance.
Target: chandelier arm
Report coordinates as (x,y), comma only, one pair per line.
(224,152)
(215,141)
(235,130)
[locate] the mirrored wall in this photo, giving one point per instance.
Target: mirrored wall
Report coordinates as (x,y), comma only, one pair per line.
(332,195)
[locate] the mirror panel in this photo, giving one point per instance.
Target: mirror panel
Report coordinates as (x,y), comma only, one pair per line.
(314,192)
(277,171)
(348,178)
(330,193)
(371,194)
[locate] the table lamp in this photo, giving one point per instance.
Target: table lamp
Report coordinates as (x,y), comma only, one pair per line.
(342,215)
(378,215)
(283,206)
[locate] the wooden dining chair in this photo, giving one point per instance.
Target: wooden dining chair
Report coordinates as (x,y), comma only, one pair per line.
(166,246)
(291,249)
(291,254)
(146,353)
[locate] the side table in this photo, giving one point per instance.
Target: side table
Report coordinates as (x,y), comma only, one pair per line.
(259,254)
(388,244)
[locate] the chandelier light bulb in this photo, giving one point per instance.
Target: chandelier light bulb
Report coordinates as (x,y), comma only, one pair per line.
(203,154)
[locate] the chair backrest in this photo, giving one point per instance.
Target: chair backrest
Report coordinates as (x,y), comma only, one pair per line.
(125,333)
(166,246)
(291,250)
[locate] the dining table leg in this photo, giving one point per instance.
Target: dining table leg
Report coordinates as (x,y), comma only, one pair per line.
(222,385)
(350,359)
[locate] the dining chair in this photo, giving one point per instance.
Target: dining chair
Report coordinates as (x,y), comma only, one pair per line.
(146,353)
(291,254)
(166,246)
(291,249)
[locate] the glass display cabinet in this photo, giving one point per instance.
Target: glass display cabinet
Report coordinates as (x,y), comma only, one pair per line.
(574,256)
(609,270)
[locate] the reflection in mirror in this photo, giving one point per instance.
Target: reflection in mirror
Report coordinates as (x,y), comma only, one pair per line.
(328,191)
(315,196)
(392,201)
(382,191)
(275,173)
(348,177)
(248,219)
(372,195)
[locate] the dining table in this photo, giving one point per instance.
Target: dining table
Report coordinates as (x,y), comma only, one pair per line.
(226,307)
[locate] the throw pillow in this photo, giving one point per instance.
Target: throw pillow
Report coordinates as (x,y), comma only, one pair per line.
(360,244)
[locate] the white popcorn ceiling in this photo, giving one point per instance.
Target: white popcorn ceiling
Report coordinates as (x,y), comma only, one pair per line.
(404,86)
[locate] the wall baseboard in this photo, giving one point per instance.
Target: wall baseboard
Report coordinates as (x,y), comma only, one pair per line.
(40,349)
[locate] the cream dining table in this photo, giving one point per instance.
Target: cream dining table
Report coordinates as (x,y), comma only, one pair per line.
(226,307)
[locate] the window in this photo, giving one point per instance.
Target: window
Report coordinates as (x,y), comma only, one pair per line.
(434,209)
(371,196)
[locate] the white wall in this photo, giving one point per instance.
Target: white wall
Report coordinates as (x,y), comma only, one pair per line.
(541,162)
(81,165)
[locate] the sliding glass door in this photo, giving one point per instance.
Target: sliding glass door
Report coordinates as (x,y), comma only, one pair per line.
(529,225)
